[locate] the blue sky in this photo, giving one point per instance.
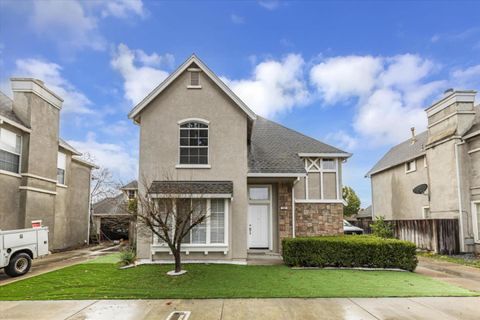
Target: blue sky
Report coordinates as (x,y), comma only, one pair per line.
(353,74)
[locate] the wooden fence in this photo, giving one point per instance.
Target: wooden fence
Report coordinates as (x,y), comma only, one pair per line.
(438,235)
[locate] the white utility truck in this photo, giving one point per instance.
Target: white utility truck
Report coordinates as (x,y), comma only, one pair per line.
(19,247)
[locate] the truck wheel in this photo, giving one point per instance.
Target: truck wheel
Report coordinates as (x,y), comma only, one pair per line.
(19,265)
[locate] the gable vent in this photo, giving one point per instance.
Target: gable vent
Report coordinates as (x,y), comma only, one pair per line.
(194,78)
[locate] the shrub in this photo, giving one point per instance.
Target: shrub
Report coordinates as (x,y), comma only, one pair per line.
(351,252)
(382,228)
(127,256)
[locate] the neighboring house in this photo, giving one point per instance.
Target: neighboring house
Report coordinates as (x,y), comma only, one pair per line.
(365,214)
(41,176)
(260,182)
(111,218)
(446,158)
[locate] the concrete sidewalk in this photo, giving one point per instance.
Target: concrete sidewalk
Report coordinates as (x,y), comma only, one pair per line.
(59,260)
(453,273)
(248,309)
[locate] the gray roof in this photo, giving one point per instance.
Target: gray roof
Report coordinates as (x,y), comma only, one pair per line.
(365,213)
(275,148)
(115,205)
(191,187)
(401,153)
(62,143)
(6,109)
(131,185)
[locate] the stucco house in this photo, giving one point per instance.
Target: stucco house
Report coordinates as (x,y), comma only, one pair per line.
(41,176)
(260,181)
(446,158)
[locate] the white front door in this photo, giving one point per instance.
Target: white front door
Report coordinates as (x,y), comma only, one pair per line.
(258,225)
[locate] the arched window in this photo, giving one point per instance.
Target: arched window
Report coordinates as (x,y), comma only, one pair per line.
(194,142)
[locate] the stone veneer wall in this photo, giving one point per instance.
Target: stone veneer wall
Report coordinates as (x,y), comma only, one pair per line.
(284,210)
(318,219)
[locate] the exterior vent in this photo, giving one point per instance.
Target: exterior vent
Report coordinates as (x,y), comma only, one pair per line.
(195,78)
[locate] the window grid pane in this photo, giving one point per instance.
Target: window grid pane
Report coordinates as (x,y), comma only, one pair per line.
(217,221)
(328,164)
(193,143)
(9,161)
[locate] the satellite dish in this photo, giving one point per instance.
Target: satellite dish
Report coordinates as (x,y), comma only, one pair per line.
(420,189)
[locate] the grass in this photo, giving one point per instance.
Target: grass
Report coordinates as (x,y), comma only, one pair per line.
(101,279)
(466,262)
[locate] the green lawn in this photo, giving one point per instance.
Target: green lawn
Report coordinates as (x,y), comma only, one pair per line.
(103,280)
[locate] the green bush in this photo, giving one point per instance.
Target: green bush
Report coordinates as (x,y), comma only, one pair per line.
(350,252)
(382,228)
(127,256)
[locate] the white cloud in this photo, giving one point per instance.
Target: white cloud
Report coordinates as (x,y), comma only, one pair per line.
(391,92)
(154,59)
(74,100)
(274,87)
(66,22)
(269,4)
(236,19)
(115,157)
(343,140)
(123,8)
(138,80)
(343,77)
(467,77)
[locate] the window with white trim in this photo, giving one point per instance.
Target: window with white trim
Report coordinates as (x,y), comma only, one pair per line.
(193,143)
(322,180)
(61,167)
(10,150)
(410,166)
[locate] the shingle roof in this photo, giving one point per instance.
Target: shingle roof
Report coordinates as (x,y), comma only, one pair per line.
(191,187)
(401,153)
(365,213)
(131,185)
(115,205)
(275,148)
(6,109)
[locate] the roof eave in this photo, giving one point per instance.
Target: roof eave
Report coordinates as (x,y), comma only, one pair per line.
(325,154)
(165,83)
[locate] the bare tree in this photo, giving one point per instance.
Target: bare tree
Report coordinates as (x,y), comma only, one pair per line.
(171,216)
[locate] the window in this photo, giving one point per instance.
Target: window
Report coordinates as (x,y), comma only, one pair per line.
(131,194)
(410,166)
(10,151)
(61,167)
(426,212)
(194,143)
(211,230)
(258,193)
(329,164)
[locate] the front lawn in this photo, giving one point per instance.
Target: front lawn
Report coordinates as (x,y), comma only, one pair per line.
(103,280)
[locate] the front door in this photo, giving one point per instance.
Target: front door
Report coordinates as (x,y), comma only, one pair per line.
(258,226)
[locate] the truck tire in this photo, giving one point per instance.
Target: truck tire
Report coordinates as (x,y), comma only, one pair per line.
(19,264)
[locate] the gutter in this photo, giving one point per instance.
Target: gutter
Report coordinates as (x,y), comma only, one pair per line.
(459,194)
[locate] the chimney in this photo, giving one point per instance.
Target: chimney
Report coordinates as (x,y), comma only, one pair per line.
(414,137)
(452,115)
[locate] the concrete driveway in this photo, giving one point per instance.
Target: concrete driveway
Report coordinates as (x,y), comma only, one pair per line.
(248,309)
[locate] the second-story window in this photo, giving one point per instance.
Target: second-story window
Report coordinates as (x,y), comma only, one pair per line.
(61,167)
(10,151)
(193,143)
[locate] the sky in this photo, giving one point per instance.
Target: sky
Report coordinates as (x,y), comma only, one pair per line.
(356,74)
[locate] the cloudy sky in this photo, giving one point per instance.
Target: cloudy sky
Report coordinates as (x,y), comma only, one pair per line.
(356,75)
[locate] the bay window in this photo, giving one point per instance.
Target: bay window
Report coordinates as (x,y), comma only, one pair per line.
(10,151)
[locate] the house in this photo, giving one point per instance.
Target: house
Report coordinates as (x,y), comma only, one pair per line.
(111,216)
(444,161)
(260,181)
(41,176)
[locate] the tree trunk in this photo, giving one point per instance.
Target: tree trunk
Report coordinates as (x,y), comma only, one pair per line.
(178,262)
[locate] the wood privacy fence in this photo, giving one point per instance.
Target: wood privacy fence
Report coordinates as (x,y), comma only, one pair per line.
(438,235)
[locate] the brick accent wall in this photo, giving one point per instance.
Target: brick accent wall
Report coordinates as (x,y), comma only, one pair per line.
(284,206)
(315,219)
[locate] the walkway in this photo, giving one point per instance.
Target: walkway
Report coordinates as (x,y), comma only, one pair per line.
(248,309)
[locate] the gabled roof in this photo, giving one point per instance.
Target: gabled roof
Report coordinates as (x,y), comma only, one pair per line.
(62,143)
(401,153)
(6,110)
(132,185)
(115,205)
(277,149)
(192,60)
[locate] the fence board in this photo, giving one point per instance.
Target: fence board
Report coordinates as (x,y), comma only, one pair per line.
(438,235)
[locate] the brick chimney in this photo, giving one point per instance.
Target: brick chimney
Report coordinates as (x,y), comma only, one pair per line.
(452,115)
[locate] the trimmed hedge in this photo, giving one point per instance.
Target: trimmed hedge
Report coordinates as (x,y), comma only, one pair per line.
(349,251)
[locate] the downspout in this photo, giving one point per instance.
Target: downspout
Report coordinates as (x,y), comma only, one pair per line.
(459,193)
(293,206)
(89,216)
